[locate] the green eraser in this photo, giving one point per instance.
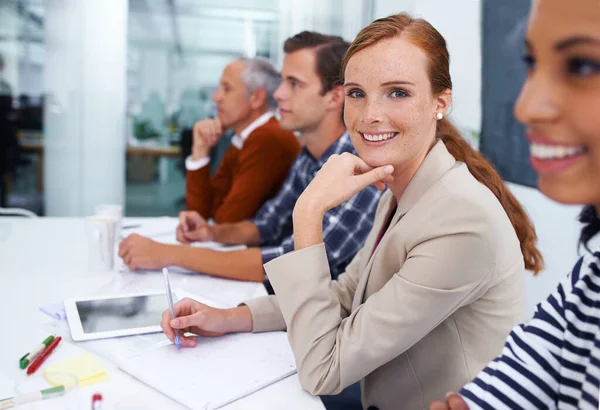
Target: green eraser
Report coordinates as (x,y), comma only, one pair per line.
(23,362)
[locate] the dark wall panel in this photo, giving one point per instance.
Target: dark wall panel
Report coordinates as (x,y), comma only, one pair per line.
(502,136)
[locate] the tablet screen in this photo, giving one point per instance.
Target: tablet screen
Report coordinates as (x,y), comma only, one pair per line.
(121,313)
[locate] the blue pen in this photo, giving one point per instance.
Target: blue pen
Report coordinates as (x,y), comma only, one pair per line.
(170,300)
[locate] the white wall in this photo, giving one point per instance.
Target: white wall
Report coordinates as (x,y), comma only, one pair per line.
(558,232)
(84,114)
(459,21)
(353,18)
(336,17)
(383,8)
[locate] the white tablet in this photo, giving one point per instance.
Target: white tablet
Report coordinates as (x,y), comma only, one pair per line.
(116,315)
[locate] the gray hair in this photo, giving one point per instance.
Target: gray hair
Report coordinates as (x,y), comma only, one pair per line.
(261,73)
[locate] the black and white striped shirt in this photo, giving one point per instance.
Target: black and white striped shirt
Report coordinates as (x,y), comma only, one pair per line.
(553,361)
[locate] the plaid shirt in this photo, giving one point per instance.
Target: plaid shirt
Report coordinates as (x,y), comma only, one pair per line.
(345,227)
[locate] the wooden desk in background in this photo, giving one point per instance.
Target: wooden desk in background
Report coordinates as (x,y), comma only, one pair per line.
(37,147)
(172,151)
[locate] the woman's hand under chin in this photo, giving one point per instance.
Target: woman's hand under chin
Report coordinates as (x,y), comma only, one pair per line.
(340,179)
(337,181)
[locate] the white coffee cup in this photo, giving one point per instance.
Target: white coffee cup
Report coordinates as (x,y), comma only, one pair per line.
(101,234)
(111,210)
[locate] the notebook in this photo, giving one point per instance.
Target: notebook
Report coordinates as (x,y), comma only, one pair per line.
(217,371)
(214,373)
(151,228)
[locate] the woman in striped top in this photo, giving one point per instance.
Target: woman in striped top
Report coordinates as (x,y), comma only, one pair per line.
(553,361)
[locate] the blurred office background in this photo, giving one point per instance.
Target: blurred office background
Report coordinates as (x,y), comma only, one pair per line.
(105,92)
(98,97)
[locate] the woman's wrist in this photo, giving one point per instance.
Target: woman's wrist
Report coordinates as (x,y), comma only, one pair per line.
(308,210)
(239,319)
(308,223)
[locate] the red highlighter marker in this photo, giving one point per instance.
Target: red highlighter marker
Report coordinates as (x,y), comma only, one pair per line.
(97,402)
(42,358)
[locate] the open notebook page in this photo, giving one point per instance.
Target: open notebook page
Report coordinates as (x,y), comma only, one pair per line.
(214,373)
(217,371)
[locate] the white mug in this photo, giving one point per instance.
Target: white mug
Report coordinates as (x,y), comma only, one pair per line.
(101,235)
(112,211)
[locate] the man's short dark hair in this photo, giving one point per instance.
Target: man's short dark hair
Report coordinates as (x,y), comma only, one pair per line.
(330,52)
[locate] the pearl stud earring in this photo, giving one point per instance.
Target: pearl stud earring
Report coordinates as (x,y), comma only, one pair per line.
(439,116)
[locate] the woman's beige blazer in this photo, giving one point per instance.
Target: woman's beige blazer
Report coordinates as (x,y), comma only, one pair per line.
(422,315)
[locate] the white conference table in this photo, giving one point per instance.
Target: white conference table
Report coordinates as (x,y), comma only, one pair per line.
(44,260)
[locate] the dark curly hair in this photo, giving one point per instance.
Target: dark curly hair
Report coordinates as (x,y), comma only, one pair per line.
(591,225)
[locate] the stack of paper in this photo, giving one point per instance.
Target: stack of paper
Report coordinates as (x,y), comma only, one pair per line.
(214,373)
(217,371)
(153,228)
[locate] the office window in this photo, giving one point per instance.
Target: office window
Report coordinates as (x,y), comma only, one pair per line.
(21,101)
(176,50)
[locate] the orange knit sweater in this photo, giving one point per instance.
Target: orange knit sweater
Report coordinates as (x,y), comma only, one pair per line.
(246,178)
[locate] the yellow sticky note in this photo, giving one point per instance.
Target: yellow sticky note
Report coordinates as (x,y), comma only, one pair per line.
(85,367)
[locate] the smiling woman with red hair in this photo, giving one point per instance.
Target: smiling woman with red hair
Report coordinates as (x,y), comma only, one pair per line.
(439,282)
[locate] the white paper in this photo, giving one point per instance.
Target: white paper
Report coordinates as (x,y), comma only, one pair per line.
(170,239)
(217,371)
(6,387)
(228,292)
(152,228)
(55,310)
(216,246)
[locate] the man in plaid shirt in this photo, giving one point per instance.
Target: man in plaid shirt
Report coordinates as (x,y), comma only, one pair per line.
(344,228)
(310,101)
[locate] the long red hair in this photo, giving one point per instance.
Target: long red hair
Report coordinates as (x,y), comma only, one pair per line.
(422,34)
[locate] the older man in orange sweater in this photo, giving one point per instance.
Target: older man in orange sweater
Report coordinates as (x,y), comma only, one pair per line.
(261,152)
